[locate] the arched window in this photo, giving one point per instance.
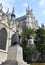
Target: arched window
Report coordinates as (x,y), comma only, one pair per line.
(3,38)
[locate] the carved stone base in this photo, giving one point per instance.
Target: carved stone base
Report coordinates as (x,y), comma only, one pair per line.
(15,56)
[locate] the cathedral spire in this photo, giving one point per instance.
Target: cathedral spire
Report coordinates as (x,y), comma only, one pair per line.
(1,12)
(7,11)
(28,10)
(13,14)
(1,6)
(13,10)
(28,7)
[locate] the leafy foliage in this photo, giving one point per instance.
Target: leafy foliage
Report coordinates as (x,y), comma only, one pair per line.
(40,40)
(27,54)
(27,51)
(26,34)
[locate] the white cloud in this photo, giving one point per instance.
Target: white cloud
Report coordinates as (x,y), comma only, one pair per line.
(43,12)
(42,3)
(6,1)
(25,5)
(7,4)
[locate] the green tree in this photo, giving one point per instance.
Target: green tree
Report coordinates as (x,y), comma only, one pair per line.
(27,54)
(27,51)
(26,34)
(40,40)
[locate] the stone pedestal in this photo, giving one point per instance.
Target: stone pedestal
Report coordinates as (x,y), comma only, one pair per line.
(15,56)
(15,53)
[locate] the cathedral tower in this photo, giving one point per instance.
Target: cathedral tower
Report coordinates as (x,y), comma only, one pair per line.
(29,16)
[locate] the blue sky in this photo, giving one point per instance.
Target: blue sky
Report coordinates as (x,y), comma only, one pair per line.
(38,7)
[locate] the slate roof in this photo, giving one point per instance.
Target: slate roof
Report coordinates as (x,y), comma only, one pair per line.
(21,18)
